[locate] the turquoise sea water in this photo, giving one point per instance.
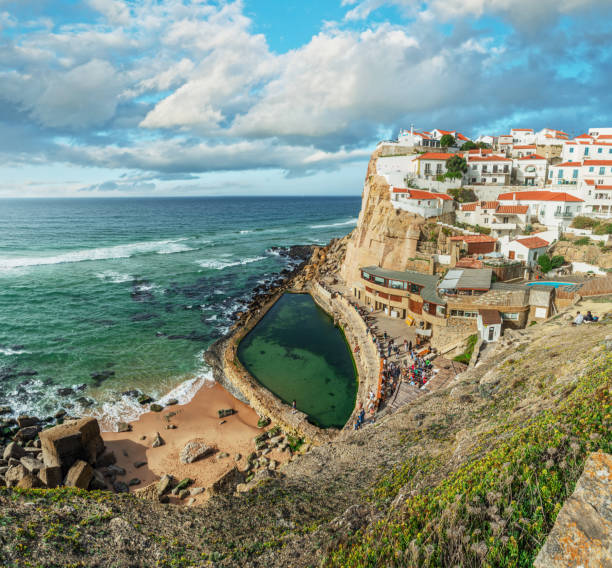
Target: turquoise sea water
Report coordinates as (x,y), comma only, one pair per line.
(103,296)
(549,283)
(297,353)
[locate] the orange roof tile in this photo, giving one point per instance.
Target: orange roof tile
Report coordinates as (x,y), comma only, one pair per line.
(533,157)
(512,209)
(533,242)
(542,195)
(488,159)
(604,187)
(521,130)
(568,165)
(469,206)
(525,147)
(589,181)
(474,239)
(585,135)
(598,162)
(608,136)
(421,194)
(489,204)
(435,156)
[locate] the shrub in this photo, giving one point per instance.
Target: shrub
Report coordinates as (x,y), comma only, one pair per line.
(582,222)
(582,241)
(469,350)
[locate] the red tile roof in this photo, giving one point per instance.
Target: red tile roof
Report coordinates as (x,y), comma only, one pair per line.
(469,206)
(598,162)
(480,151)
(420,194)
(608,136)
(435,156)
(604,187)
(521,130)
(488,159)
(533,242)
(585,135)
(569,165)
(489,204)
(474,239)
(542,195)
(589,181)
(526,147)
(532,157)
(512,209)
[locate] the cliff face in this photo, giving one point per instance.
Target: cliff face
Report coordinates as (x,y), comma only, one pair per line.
(384,236)
(591,254)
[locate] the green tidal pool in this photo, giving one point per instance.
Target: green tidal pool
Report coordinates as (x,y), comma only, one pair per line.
(296,352)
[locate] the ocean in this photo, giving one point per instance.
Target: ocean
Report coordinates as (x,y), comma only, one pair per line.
(102,296)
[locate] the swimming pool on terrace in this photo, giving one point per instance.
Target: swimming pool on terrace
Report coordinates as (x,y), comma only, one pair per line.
(297,353)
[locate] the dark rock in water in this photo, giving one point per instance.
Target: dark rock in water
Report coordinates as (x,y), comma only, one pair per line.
(193,336)
(101,376)
(17,347)
(156,408)
(144,399)
(27,373)
(143,317)
(28,433)
(134,481)
(84,401)
(5,410)
(172,402)
(139,464)
(81,387)
(132,392)
(60,413)
(67,391)
(159,334)
(225,412)
(25,421)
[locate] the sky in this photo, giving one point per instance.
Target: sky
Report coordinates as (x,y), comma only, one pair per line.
(113,98)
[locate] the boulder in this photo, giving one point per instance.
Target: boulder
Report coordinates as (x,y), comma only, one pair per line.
(227,482)
(106,458)
(121,487)
(13,450)
(79,475)
(172,402)
(14,474)
(32,464)
(74,440)
(194,451)
(144,399)
(148,492)
(157,441)
(182,485)
(29,481)
(26,434)
(98,481)
(164,485)
(25,421)
(156,407)
(123,427)
(51,476)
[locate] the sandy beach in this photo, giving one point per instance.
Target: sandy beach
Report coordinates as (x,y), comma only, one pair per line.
(196,420)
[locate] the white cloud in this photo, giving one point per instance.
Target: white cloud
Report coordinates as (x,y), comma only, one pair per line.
(115,11)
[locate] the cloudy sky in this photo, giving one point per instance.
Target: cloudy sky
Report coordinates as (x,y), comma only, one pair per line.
(195,97)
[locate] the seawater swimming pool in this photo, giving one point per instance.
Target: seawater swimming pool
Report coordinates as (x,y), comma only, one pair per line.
(549,283)
(298,353)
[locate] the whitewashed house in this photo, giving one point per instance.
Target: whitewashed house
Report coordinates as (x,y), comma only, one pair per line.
(505,142)
(423,203)
(489,324)
(553,209)
(530,170)
(551,137)
(520,150)
(397,169)
(432,164)
(522,136)
(501,219)
(490,169)
(413,138)
(525,249)
(487,139)
(459,138)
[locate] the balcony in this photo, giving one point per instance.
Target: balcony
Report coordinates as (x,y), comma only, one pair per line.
(503,226)
(564,214)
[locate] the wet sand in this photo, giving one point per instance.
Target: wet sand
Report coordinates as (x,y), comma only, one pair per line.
(196,420)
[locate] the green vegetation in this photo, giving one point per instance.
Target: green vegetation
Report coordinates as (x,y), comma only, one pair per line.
(467,354)
(474,228)
(463,195)
(598,226)
(447,140)
(547,263)
(295,443)
(498,508)
(456,167)
(582,241)
(469,145)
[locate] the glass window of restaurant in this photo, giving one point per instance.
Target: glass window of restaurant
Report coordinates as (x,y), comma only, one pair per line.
(379,280)
(397,284)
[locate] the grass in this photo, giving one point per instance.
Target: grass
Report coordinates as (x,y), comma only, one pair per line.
(497,508)
(467,354)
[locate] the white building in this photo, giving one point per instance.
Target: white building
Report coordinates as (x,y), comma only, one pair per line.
(432,164)
(501,219)
(424,203)
(520,150)
(550,137)
(526,249)
(522,136)
(600,132)
(460,138)
(553,209)
(490,169)
(505,142)
(413,138)
(486,139)
(489,324)
(530,170)
(396,169)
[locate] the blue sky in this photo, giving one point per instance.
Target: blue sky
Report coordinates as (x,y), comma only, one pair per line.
(197,97)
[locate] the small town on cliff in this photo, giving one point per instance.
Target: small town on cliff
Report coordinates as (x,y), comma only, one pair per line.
(487,234)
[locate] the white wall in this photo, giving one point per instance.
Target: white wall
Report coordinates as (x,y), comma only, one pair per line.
(584,267)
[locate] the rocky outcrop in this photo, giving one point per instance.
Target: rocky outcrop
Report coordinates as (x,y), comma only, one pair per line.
(590,254)
(582,535)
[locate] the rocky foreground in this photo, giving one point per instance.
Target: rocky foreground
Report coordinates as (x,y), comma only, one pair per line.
(471,475)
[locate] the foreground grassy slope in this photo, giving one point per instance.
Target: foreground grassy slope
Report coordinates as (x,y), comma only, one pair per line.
(470,476)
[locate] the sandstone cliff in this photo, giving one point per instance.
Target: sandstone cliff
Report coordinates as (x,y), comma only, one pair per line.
(388,237)
(591,254)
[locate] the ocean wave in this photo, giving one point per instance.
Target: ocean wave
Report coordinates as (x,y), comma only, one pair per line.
(176,248)
(103,253)
(339,224)
(245,232)
(8,351)
(220,264)
(114,277)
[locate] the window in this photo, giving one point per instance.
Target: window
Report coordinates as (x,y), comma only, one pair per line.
(366,275)
(586,151)
(414,289)
(462,314)
(484,169)
(506,168)
(599,150)
(486,220)
(467,214)
(505,219)
(473,180)
(560,174)
(438,168)
(550,174)
(474,166)
(509,316)
(591,169)
(427,169)
(571,150)
(602,171)
(494,180)
(425,307)
(397,284)
(575,174)
(495,169)
(379,280)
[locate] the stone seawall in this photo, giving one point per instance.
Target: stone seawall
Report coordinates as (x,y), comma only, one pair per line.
(366,359)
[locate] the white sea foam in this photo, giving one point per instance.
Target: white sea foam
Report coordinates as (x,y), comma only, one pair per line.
(339,224)
(220,264)
(8,351)
(245,232)
(114,277)
(127,408)
(176,248)
(103,253)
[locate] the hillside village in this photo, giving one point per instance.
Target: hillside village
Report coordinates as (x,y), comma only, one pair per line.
(471,241)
